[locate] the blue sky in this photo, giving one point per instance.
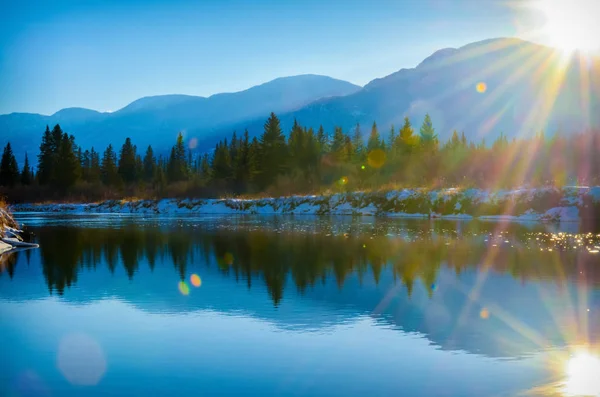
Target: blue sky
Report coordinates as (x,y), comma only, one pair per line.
(104,54)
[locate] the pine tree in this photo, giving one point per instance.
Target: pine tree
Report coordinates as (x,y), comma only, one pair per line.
(296,146)
(149,164)
(177,166)
(108,167)
(9,170)
(95,169)
(127,162)
(406,140)
(86,165)
(26,174)
(322,140)
(428,137)
(391,138)
(205,171)
(67,164)
(273,156)
(221,164)
(253,161)
(358,145)
(374,141)
(241,165)
(46,158)
(338,143)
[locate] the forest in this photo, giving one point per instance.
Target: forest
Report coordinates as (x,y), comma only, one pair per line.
(303,161)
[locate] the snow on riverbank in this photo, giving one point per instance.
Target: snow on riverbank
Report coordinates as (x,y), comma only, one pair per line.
(9,234)
(542,204)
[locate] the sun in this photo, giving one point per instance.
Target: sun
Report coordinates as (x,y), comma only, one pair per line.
(583,375)
(570,25)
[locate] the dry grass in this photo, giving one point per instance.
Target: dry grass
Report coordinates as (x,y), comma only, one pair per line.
(6,218)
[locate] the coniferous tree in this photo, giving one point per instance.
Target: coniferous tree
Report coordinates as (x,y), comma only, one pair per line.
(273,156)
(177,166)
(86,165)
(296,146)
(358,145)
(391,139)
(406,140)
(205,171)
(46,158)
(26,174)
(67,164)
(221,165)
(428,137)
(253,162)
(95,173)
(108,167)
(242,164)
(9,170)
(127,168)
(338,144)
(374,141)
(322,140)
(149,164)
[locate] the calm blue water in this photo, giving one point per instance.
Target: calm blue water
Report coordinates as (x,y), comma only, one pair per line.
(303,306)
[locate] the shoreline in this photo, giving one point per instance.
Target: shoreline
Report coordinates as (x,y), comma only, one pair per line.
(567,204)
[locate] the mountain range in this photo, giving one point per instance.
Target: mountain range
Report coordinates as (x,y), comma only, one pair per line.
(484,88)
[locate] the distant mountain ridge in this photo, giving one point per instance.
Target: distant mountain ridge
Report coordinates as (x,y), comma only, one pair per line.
(156,120)
(526,88)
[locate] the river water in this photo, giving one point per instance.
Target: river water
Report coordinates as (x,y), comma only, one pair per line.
(299,306)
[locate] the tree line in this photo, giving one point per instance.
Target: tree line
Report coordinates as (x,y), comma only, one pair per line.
(308,161)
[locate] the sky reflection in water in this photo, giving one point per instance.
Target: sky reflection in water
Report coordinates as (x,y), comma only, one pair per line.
(298,306)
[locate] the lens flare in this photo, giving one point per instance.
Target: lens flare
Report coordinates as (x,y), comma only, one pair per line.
(343,180)
(484,314)
(228,258)
(376,158)
(81,360)
(195,280)
(193,144)
(583,375)
(481,87)
(184,288)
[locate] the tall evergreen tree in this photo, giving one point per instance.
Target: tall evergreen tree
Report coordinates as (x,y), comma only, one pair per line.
(108,167)
(221,165)
(86,165)
(428,137)
(127,168)
(67,164)
(273,156)
(358,145)
(391,138)
(322,140)
(374,141)
(177,166)
(406,140)
(46,158)
(9,170)
(27,173)
(149,164)
(205,171)
(95,174)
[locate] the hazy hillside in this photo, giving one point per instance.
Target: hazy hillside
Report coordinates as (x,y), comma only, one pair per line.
(156,120)
(528,87)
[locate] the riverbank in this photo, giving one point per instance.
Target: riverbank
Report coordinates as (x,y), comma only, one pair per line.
(9,232)
(568,204)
